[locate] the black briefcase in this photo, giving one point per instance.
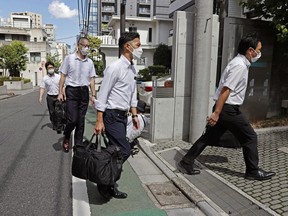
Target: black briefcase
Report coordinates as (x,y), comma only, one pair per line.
(101,165)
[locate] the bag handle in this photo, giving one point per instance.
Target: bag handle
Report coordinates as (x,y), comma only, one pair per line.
(90,141)
(98,141)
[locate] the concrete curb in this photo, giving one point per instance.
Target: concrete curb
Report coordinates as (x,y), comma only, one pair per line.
(188,189)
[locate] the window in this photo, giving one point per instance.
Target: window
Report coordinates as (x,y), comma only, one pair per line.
(141,61)
(35,57)
(150,35)
(35,39)
(132,29)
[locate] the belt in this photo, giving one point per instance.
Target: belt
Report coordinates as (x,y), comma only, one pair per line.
(52,95)
(77,87)
(120,112)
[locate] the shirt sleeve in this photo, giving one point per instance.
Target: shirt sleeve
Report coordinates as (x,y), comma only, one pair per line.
(107,84)
(93,71)
(64,66)
(234,76)
(134,97)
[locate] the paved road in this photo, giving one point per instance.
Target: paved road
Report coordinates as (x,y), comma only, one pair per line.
(33,174)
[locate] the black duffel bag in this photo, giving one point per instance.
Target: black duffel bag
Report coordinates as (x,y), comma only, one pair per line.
(101,165)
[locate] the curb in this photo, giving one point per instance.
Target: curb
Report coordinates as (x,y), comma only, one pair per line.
(206,205)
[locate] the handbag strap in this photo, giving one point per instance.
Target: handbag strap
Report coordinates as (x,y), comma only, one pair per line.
(90,141)
(98,141)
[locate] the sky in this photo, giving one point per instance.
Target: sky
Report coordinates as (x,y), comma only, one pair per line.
(63,14)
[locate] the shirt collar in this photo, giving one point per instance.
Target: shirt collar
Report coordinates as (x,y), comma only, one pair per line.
(246,61)
(77,57)
(125,61)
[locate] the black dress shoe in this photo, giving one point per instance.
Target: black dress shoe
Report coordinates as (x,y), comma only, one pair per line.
(114,192)
(259,175)
(187,168)
(65,145)
(104,191)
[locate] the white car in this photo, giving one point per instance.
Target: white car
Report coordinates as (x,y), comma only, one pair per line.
(145,88)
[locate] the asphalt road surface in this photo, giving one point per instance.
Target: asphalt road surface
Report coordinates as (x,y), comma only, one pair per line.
(35,175)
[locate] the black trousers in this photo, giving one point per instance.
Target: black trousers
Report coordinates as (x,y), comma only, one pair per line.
(115,128)
(230,118)
(77,100)
(51,100)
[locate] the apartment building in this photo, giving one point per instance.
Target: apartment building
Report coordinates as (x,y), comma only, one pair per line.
(150,18)
(26,20)
(27,27)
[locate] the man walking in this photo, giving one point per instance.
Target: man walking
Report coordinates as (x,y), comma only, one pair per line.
(116,96)
(227,115)
(77,72)
(50,83)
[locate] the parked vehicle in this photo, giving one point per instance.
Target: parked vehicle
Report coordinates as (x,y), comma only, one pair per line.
(145,88)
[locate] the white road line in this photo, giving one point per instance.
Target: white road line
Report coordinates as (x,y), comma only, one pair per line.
(80,204)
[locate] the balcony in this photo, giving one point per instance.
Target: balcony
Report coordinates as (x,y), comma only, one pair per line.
(108,1)
(144,11)
(109,9)
(144,2)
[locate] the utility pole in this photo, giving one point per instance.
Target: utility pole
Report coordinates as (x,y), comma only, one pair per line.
(201,67)
(122,18)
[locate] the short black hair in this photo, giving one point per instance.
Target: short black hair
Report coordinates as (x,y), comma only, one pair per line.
(49,63)
(250,40)
(127,36)
(81,39)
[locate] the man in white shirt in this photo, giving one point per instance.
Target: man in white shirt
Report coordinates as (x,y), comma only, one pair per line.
(50,83)
(226,114)
(117,95)
(77,73)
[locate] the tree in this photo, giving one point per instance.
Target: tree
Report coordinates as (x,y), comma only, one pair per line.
(96,55)
(14,57)
(54,59)
(162,56)
(271,9)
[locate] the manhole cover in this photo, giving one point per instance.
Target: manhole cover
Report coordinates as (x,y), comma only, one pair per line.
(168,194)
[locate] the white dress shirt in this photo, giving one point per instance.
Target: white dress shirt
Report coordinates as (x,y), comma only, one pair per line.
(235,77)
(78,72)
(51,84)
(132,132)
(118,88)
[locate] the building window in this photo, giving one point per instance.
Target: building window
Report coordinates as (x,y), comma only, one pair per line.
(150,35)
(35,57)
(141,61)
(132,29)
(35,39)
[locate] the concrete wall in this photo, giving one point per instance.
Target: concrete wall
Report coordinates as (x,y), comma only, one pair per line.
(3,89)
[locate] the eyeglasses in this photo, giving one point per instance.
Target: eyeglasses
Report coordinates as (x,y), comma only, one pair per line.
(85,45)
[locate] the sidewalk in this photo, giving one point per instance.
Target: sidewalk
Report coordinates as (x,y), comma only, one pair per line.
(150,192)
(220,189)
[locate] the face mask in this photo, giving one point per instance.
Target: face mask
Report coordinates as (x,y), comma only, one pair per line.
(254,59)
(84,51)
(137,52)
(50,71)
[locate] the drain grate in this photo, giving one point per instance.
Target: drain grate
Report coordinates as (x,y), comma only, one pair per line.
(168,194)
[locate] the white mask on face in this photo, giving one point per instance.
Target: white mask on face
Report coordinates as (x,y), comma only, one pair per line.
(254,59)
(50,71)
(137,52)
(84,51)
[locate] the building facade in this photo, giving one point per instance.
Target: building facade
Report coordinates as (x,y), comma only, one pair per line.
(27,27)
(149,18)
